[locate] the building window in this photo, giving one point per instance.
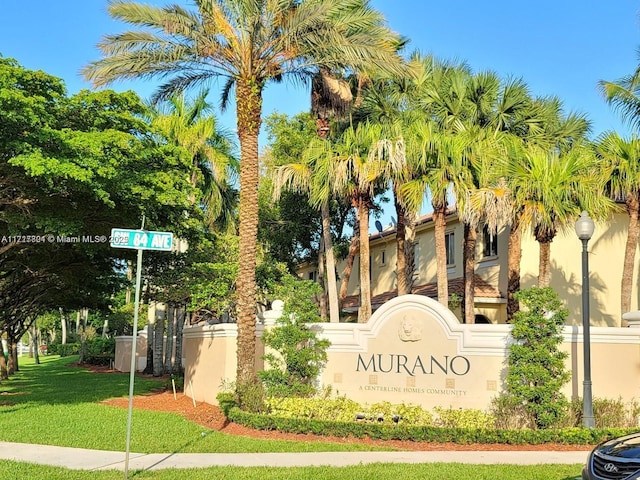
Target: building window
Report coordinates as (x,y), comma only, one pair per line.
(383,258)
(450,247)
(313,275)
(489,243)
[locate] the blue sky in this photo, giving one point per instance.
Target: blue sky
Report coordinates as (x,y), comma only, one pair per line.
(559,47)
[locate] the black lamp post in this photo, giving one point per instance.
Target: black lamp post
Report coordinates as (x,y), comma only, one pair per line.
(584,230)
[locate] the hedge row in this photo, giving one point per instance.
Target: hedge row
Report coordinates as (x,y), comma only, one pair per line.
(568,436)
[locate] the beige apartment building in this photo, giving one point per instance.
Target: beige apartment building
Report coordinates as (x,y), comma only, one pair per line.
(606,250)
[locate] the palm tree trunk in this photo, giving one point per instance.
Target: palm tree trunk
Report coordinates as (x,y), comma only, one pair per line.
(633,209)
(440,225)
(249,109)
(409,249)
(469,254)
(401,251)
(322,296)
(354,248)
(168,351)
(332,283)
(514,256)
(544,273)
(158,345)
(181,318)
(364,312)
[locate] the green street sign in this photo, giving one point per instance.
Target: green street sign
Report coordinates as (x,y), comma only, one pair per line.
(141,239)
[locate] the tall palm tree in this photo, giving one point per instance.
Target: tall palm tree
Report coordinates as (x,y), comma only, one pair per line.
(624,95)
(442,158)
(552,188)
(331,98)
(624,183)
(248,43)
(442,145)
(424,102)
(190,124)
(546,125)
(310,177)
(495,110)
(346,167)
(386,101)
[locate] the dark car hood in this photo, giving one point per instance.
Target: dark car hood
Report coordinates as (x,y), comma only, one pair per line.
(625,447)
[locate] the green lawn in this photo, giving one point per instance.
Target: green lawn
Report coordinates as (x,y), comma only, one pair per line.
(436,471)
(56,404)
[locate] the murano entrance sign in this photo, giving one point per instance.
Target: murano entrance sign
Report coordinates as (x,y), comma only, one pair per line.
(413,350)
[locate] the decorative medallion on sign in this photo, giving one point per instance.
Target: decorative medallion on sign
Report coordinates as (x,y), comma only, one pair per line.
(410,330)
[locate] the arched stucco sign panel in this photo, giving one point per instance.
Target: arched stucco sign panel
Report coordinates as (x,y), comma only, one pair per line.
(413,350)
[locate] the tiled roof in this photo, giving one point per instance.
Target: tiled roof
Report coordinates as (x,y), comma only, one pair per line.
(456,285)
(422,220)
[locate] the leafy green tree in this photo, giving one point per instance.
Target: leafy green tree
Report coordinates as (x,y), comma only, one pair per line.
(536,364)
(72,168)
(248,43)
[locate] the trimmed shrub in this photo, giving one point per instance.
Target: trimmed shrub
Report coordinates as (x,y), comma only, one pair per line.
(226,401)
(463,418)
(537,370)
(64,350)
(299,353)
(384,431)
(509,413)
(99,351)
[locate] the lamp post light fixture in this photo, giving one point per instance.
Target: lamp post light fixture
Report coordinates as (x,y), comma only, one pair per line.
(584,230)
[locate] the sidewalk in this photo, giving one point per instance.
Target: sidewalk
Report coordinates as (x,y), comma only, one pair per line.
(80,459)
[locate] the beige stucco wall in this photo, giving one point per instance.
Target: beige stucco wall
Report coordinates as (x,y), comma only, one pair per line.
(122,361)
(415,351)
(606,253)
(210,359)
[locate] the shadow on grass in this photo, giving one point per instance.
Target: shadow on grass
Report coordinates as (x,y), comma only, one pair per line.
(57,381)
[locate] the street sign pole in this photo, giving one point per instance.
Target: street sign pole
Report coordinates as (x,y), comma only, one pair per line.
(134,345)
(139,240)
